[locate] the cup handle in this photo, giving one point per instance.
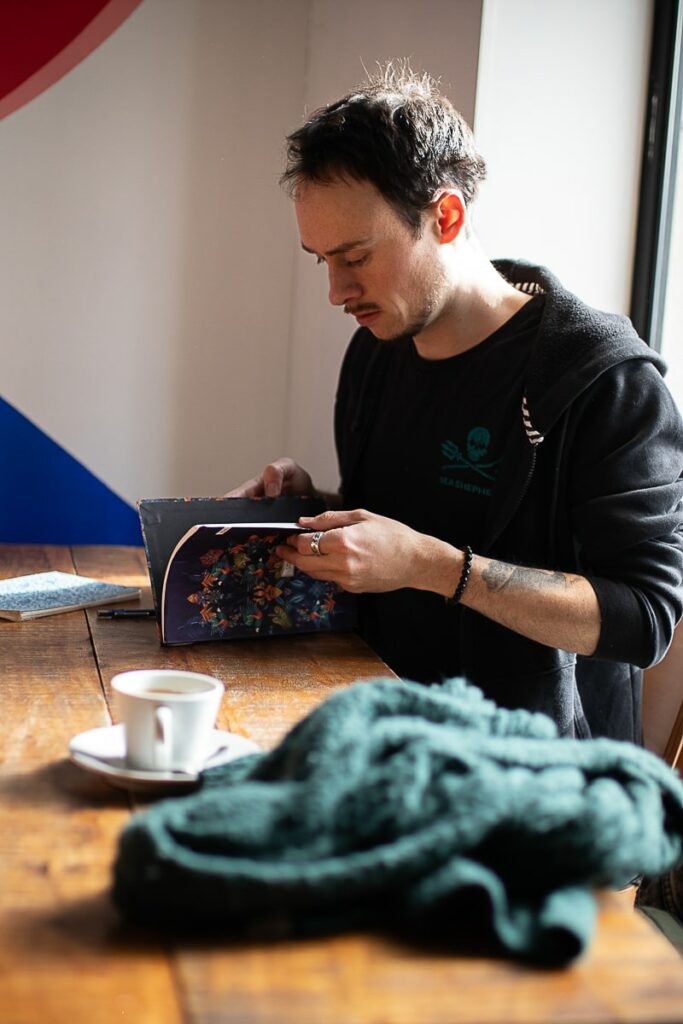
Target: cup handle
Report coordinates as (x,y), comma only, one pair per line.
(163,737)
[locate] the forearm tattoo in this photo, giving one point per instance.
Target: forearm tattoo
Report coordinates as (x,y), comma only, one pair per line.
(499,576)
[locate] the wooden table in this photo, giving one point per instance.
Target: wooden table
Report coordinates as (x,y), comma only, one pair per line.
(65,955)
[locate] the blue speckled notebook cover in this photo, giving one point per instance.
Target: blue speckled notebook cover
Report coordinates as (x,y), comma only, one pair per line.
(46,593)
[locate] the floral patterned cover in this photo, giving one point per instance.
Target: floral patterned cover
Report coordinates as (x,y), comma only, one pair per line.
(224,585)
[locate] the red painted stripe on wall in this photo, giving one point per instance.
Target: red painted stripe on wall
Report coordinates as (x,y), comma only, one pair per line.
(42,40)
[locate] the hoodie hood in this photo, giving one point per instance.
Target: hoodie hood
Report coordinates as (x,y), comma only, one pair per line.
(575,345)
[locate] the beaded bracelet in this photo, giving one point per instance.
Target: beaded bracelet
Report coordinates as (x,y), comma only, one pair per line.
(464,577)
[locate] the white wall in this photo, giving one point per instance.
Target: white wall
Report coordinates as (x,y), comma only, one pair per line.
(440,36)
(559,119)
(147,251)
(153,268)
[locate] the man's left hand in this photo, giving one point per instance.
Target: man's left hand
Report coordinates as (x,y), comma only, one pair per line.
(366,553)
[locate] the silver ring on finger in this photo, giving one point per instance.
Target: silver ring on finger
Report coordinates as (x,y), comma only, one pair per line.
(315,542)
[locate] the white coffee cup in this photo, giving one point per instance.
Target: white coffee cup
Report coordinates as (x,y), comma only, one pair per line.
(169,717)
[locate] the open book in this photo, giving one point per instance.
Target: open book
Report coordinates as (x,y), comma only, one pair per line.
(221,578)
(47,593)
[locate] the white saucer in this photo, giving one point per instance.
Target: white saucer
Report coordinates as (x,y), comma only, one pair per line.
(103,752)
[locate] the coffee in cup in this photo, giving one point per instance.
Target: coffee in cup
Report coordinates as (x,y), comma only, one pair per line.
(168,715)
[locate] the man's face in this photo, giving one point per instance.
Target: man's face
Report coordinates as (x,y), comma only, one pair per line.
(393,283)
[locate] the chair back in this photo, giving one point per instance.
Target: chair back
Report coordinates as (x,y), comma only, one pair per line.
(663,704)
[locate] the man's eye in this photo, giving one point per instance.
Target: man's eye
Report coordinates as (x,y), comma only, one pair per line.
(347,263)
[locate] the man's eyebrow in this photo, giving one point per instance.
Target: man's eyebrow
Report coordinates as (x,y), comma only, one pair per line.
(357,243)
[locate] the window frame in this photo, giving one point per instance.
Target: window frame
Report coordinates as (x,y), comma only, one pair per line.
(658,172)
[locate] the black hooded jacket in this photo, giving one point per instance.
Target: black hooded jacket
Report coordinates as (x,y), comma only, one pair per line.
(590,484)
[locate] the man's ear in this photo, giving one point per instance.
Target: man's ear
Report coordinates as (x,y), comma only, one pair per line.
(450,216)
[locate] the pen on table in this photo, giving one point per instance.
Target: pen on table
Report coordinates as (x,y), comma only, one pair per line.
(126,613)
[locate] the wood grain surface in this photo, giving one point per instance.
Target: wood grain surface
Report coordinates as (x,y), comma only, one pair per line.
(65,956)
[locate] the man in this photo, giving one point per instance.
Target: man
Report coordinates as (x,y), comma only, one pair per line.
(510,458)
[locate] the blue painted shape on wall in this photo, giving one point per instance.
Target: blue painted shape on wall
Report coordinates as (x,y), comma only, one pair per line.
(49,497)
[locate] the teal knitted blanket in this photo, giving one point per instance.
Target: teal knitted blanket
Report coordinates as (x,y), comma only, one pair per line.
(428,811)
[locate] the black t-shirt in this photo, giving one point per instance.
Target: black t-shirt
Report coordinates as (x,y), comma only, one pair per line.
(431,461)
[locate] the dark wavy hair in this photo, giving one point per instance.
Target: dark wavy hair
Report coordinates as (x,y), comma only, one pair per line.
(396,131)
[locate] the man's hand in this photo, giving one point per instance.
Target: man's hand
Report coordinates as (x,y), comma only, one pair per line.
(367,553)
(284,476)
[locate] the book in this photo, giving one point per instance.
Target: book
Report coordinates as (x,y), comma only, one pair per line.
(216,575)
(48,593)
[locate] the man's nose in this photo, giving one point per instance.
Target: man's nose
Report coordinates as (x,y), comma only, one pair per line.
(344,286)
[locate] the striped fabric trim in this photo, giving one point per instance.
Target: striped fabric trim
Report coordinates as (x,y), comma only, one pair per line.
(534,437)
(530,287)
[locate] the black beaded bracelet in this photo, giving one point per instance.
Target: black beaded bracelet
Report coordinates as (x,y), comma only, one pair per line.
(464,577)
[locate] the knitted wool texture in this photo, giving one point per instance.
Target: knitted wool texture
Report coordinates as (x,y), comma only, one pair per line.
(425,810)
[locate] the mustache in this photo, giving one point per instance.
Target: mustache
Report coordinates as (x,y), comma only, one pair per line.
(363,308)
